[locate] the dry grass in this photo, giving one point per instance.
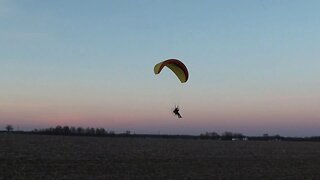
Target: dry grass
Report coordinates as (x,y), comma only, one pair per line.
(60,157)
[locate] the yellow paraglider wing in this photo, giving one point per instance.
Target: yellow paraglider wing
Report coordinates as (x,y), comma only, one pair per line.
(157,68)
(176,66)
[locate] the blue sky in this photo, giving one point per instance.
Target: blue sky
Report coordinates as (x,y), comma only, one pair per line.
(253,65)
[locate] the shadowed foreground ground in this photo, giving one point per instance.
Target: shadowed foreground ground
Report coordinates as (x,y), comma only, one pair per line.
(65,157)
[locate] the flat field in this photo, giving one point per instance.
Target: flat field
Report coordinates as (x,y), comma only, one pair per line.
(70,157)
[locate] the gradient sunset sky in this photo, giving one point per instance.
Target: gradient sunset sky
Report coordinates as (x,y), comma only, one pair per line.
(254,65)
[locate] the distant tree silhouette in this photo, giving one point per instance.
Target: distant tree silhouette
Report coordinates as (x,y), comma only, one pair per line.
(58,130)
(92,131)
(9,128)
(73,130)
(66,130)
(277,137)
(100,132)
(210,135)
(89,131)
(237,135)
(111,133)
(227,135)
(80,131)
(51,130)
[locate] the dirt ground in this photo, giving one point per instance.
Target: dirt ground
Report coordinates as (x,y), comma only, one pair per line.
(66,157)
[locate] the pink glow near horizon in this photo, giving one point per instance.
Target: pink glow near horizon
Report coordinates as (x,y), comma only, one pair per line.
(254,67)
(270,113)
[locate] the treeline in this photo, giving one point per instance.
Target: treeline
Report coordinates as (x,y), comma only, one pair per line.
(79,131)
(224,136)
(282,138)
(89,131)
(264,137)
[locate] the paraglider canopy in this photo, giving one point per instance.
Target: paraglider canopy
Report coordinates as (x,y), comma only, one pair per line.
(176,66)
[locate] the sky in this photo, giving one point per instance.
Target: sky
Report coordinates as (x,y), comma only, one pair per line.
(253,65)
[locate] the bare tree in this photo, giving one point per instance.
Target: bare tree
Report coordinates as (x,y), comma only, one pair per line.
(9,128)
(58,130)
(100,131)
(73,130)
(210,135)
(227,135)
(66,130)
(80,131)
